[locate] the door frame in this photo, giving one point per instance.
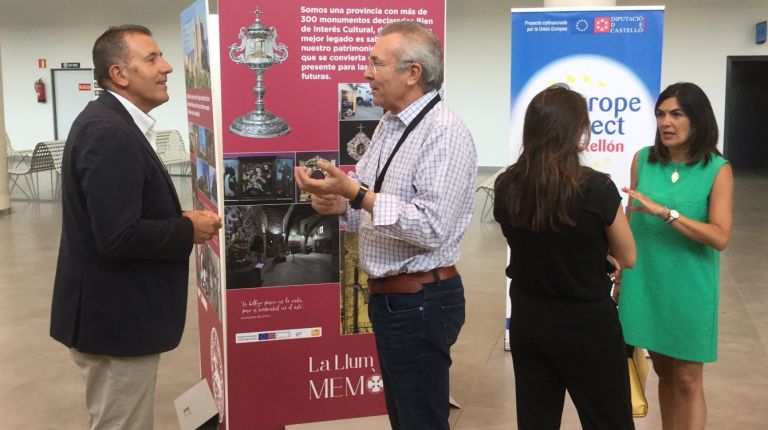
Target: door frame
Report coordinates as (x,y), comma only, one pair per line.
(731,60)
(53,94)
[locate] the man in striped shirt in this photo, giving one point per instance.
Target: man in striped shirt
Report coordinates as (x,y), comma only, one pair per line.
(411,220)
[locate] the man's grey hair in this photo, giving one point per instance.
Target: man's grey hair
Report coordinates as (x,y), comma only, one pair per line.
(421,47)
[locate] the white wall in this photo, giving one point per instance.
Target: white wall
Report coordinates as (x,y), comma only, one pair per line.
(63,31)
(698,38)
(5,195)
(477,72)
(699,35)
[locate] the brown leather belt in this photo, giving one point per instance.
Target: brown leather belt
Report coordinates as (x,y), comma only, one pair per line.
(405,283)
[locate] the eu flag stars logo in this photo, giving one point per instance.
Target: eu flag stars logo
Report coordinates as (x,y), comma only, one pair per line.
(602,24)
(582,25)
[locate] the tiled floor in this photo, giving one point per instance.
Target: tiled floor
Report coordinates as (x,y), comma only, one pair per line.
(40,387)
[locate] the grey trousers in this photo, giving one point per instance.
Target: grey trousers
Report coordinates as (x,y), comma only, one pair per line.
(119,391)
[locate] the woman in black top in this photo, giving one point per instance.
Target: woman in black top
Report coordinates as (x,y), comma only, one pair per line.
(560,219)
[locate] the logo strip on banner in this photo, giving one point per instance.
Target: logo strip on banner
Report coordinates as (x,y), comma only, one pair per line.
(289,334)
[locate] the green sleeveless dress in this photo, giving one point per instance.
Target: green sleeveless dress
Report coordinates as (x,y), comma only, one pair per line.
(668,301)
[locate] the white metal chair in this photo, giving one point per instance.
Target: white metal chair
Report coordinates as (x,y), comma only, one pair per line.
(56,148)
(488,188)
(40,161)
(170,149)
(15,158)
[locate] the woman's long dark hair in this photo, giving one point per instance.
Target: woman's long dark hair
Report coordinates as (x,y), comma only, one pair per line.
(702,140)
(539,188)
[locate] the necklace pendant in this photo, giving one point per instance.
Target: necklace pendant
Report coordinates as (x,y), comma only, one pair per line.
(675,176)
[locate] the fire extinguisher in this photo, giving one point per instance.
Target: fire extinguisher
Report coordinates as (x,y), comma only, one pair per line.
(40,90)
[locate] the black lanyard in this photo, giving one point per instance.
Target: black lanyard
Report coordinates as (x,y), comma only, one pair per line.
(408,130)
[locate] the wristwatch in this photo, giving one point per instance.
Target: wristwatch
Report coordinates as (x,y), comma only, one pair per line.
(357,202)
(673,215)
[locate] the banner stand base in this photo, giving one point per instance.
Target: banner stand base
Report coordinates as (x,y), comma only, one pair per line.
(196,408)
(378,422)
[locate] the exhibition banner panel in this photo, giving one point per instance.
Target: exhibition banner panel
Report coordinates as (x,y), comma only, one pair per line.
(204,164)
(319,54)
(611,56)
(298,343)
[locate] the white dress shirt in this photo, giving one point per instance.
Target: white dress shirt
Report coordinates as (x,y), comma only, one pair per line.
(145,122)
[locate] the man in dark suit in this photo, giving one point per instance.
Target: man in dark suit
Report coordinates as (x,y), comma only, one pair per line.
(120,294)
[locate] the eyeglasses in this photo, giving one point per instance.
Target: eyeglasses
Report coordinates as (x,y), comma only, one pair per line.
(375,65)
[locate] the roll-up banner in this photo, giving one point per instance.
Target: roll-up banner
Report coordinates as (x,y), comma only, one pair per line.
(198,35)
(287,339)
(612,56)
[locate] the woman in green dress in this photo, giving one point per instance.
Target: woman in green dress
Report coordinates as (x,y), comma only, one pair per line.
(681,201)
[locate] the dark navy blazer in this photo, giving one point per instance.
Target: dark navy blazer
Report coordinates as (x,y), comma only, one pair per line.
(121,280)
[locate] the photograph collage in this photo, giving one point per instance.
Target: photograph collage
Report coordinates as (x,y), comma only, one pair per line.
(202,146)
(358,118)
(273,237)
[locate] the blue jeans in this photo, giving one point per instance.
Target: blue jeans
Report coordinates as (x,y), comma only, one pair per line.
(414,335)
